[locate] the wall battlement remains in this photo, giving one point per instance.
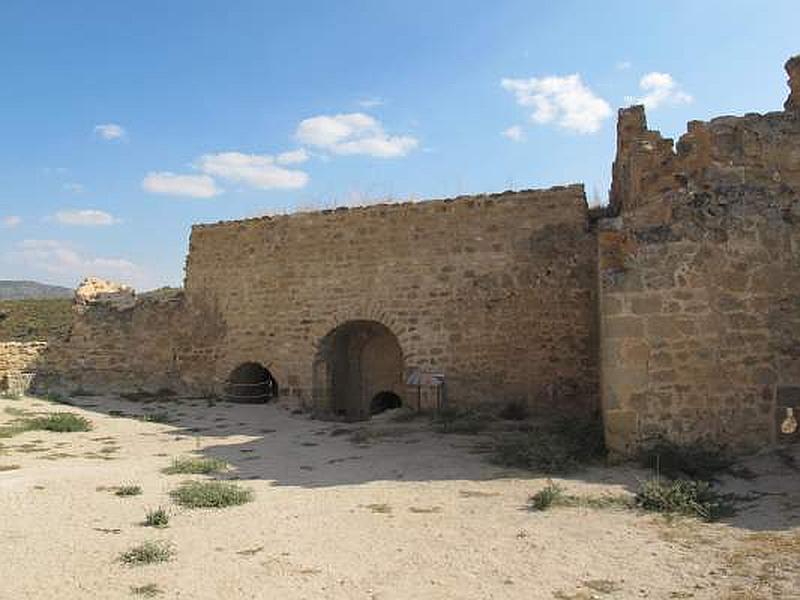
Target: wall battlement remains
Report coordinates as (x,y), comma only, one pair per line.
(699,280)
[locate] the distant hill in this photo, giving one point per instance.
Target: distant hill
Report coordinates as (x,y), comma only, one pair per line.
(31,290)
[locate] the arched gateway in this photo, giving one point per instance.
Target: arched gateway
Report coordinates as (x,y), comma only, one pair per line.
(358,371)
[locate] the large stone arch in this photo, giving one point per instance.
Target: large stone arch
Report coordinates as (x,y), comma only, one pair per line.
(357,362)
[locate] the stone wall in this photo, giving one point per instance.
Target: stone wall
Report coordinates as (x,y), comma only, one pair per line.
(121,342)
(18,360)
(700,281)
(497,293)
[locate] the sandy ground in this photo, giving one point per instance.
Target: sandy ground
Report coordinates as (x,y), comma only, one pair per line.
(413,514)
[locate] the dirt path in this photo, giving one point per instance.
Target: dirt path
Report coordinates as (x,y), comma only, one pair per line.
(412,514)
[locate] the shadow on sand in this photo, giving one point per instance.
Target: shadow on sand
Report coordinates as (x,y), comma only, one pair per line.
(269,442)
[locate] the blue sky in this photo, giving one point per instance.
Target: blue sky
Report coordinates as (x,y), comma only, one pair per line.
(122,123)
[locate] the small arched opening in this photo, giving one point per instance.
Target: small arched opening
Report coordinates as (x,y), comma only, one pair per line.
(250,382)
(358,371)
(383,401)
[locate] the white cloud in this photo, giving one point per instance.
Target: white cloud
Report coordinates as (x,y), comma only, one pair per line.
(514,133)
(60,258)
(563,100)
(354,133)
(75,188)
(171,184)
(370,102)
(110,131)
(85,218)
(623,65)
(293,157)
(10,221)
(659,88)
(255,170)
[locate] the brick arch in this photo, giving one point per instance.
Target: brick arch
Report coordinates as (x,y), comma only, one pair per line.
(356,361)
(367,312)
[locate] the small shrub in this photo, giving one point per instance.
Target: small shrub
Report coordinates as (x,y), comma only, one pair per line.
(459,420)
(544,498)
(157,517)
(58,422)
(684,497)
(554,495)
(695,461)
(62,422)
(150,590)
(210,494)
(558,446)
(128,490)
(159,417)
(195,466)
(516,410)
(607,501)
(148,553)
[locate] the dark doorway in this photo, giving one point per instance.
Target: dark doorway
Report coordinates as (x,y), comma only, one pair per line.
(250,382)
(384,401)
(358,370)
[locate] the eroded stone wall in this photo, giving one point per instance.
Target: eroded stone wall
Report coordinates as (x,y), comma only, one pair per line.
(495,292)
(18,361)
(700,282)
(120,342)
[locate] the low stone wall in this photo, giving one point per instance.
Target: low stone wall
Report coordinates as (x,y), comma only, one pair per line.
(18,362)
(121,342)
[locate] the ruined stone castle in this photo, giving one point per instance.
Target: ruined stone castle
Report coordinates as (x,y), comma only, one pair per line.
(674,311)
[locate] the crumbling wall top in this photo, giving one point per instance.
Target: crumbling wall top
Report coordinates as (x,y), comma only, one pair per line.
(759,151)
(95,291)
(554,195)
(793,69)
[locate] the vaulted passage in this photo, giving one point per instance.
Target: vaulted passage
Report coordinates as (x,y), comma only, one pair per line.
(359,370)
(251,382)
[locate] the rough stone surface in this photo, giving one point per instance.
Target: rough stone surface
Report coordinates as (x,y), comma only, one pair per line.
(18,359)
(497,293)
(126,343)
(700,281)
